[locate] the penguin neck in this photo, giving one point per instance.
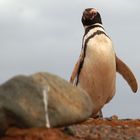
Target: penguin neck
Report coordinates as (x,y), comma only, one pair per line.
(94,26)
(90,27)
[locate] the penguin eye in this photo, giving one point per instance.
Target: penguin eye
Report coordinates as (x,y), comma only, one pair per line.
(93,14)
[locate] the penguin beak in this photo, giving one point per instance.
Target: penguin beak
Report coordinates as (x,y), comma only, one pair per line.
(89,13)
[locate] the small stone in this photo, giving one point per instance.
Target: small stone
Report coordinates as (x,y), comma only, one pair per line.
(119,126)
(69,131)
(114,117)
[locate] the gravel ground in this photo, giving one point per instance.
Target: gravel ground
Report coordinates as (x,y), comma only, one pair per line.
(93,129)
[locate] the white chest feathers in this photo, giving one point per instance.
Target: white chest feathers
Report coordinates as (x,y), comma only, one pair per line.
(98,73)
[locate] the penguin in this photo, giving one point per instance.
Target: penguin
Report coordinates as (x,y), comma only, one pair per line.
(95,70)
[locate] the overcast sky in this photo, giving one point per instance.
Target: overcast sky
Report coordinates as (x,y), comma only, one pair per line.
(46,35)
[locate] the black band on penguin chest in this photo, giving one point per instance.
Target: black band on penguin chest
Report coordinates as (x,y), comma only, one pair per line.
(91,27)
(98,32)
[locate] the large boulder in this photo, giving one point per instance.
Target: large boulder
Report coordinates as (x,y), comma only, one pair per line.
(42,100)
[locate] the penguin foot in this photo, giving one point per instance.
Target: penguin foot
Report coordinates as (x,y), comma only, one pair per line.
(98,115)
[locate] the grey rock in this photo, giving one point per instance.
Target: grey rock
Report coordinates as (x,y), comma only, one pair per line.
(42,100)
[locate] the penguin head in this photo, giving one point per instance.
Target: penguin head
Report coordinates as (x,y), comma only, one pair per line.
(90,17)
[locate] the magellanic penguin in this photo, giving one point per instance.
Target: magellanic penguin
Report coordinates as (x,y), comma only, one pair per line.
(95,70)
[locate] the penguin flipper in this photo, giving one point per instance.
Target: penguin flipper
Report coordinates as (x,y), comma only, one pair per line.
(76,68)
(127,74)
(74,72)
